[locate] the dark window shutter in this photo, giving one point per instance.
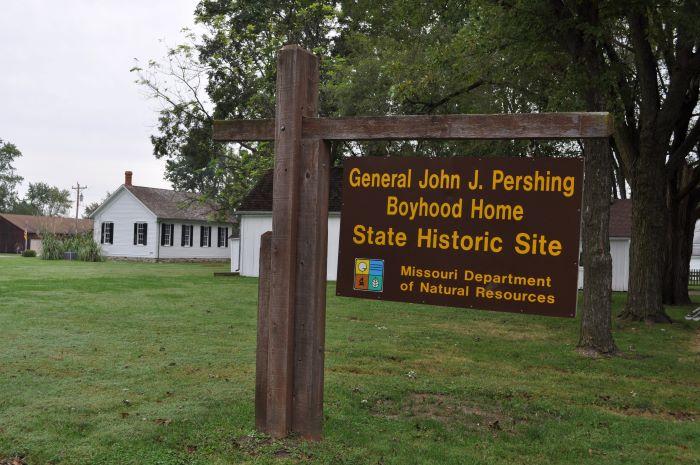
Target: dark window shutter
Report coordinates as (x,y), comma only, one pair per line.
(145,234)
(201,236)
(209,236)
(182,236)
(162,233)
(226,236)
(172,234)
(111,233)
(102,234)
(136,232)
(218,236)
(191,235)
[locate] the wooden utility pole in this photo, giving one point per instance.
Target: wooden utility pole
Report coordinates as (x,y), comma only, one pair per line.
(78,197)
(292,292)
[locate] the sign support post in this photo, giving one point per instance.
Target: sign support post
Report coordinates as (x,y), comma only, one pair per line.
(296,302)
(292,292)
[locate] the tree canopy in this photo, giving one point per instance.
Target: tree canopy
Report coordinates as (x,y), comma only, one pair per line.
(9,180)
(45,200)
(389,58)
(638,60)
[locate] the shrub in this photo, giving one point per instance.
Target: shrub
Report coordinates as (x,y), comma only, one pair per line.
(29,253)
(87,249)
(51,247)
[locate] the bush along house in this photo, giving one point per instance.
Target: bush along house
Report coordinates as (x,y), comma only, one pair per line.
(145,223)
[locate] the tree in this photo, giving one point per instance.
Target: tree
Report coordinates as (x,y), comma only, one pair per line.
(22,207)
(8,178)
(193,161)
(376,59)
(596,333)
(657,134)
(547,58)
(90,208)
(48,200)
(649,80)
(403,58)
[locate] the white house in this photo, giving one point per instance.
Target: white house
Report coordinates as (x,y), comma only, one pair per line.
(158,224)
(255,216)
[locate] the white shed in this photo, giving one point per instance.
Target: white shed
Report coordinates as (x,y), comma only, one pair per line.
(255,224)
(255,216)
(620,230)
(695,257)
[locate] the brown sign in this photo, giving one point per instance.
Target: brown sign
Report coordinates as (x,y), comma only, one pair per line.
(489,233)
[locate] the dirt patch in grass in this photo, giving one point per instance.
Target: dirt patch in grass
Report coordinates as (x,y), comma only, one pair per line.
(607,404)
(360,369)
(14,460)
(445,409)
(261,445)
(695,343)
(665,415)
(496,329)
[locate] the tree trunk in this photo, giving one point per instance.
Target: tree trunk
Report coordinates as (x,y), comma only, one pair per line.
(682,262)
(596,335)
(647,248)
(679,239)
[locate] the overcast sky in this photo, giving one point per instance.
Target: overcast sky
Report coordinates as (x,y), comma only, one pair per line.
(67,98)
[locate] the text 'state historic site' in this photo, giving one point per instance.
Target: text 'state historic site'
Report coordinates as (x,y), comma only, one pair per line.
(493,233)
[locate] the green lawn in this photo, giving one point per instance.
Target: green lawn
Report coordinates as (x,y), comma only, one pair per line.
(134,363)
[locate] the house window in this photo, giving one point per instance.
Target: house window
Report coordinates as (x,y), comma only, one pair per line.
(140,233)
(205,236)
(107,235)
(223,237)
(187,233)
(167,234)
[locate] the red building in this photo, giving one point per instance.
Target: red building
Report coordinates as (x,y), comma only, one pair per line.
(13,227)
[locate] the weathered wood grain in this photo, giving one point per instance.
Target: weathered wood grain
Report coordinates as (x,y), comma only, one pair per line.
(310,308)
(295,69)
(261,387)
(244,130)
(505,126)
(499,126)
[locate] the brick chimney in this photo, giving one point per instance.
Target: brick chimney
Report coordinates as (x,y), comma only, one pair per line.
(127,178)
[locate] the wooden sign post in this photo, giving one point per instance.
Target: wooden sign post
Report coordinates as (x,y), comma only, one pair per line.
(292,294)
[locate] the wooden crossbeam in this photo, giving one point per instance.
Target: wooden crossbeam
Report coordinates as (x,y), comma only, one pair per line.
(501,126)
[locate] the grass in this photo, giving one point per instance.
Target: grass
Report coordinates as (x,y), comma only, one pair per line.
(135,363)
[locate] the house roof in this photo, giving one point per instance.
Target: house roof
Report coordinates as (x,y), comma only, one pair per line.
(621,218)
(53,224)
(174,205)
(259,199)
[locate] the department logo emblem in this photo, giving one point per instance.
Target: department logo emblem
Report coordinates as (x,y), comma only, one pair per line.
(369,275)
